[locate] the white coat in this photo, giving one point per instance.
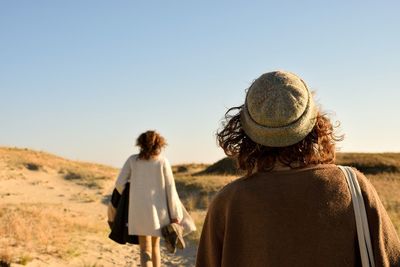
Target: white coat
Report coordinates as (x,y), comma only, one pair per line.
(152,188)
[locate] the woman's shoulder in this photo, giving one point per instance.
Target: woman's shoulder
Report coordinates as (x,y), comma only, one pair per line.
(226,193)
(133,157)
(162,159)
(158,160)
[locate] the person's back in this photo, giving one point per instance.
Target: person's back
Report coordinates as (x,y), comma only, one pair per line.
(147,175)
(148,194)
(153,199)
(283,218)
(293,208)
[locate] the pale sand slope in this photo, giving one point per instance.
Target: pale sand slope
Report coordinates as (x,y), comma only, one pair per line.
(25,187)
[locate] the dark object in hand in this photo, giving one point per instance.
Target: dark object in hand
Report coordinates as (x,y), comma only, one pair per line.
(119,227)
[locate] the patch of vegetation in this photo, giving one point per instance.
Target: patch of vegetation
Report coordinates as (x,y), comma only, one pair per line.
(70,175)
(32,166)
(24,259)
(188,168)
(43,229)
(84,173)
(198,218)
(83,197)
(84,177)
(196,192)
(182,168)
(225,166)
(371,163)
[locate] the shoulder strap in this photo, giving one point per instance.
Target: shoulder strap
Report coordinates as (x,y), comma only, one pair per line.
(363,234)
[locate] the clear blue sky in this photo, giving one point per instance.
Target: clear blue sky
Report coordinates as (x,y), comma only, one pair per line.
(83,78)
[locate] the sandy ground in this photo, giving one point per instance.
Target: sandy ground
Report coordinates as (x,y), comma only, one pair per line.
(95,249)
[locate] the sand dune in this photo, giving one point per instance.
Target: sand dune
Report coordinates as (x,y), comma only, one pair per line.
(73,216)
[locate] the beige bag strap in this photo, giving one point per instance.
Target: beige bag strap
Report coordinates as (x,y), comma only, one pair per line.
(363,234)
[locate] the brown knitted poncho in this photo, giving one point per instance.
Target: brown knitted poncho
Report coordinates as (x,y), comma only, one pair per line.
(293,218)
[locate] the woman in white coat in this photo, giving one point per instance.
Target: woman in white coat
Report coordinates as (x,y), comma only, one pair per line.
(153,199)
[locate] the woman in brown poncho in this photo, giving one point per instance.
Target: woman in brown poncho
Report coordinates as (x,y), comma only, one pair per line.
(293,208)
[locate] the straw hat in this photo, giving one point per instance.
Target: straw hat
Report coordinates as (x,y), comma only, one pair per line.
(279,110)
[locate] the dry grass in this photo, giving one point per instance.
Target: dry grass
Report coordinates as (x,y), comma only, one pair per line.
(87,174)
(206,183)
(225,166)
(198,218)
(388,187)
(27,229)
(197,191)
(371,163)
(189,168)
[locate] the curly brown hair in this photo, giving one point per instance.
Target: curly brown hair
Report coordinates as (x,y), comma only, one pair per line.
(150,144)
(316,148)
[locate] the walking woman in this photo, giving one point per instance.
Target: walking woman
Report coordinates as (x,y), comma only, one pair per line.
(153,199)
(293,207)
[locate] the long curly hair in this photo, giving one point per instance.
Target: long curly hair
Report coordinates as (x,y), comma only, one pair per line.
(150,143)
(316,148)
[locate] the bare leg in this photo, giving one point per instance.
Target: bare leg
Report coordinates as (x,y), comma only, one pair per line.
(156,257)
(145,251)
